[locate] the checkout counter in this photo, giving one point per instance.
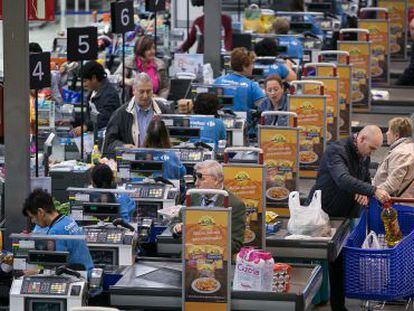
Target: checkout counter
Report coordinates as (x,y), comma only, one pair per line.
(110,243)
(57,287)
(130,161)
(158,285)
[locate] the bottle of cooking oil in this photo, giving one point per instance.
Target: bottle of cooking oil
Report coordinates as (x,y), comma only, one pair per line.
(389,217)
(96,155)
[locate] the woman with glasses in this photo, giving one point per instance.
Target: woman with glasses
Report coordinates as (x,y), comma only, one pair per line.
(276,100)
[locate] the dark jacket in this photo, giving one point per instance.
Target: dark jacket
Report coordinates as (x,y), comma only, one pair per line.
(123,127)
(106,102)
(238,218)
(342,174)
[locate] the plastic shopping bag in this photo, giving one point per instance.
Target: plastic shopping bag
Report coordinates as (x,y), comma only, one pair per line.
(308,220)
(371,241)
(253,271)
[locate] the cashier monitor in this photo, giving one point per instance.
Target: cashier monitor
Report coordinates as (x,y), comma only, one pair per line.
(145,168)
(180,89)
(323,7)
(184,133)
(101,210)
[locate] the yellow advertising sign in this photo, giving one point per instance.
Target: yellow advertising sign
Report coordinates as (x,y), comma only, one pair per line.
(246,182)
(379,36)
(345,78)
(311,111)
(325,71)
(397,14)
(280,153)
(206,259)
(360,59)
(331,85)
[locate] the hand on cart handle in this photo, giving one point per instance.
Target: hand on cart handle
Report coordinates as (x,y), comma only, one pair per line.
(382,195)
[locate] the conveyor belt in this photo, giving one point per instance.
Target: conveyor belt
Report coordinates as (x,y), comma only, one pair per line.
(322,249)
(400,100)
(142,287)
(279,246)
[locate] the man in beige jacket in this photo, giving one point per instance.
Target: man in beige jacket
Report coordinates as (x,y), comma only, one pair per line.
(396,173)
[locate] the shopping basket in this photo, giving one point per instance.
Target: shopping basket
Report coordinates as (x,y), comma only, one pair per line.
(384,274)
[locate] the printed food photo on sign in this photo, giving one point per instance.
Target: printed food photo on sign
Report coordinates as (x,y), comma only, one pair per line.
(345,76)
(205,256)
(280,153)
(397,15)
(379,36)
(360,59)
(246,183)
(311,123)
(331,92)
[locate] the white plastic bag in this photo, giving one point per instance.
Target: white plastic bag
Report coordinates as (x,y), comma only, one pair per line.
(371,241)
(308,220)
(253,271)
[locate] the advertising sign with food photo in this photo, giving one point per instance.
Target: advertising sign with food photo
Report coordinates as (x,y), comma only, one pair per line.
(380,61)
(311,111)
(397,10)
(344,73)
(246,182)
(331,85)
(281,157)
(360,59)
(206,260)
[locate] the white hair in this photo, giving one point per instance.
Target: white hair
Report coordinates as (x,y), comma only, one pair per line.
(141,77)
(214,168)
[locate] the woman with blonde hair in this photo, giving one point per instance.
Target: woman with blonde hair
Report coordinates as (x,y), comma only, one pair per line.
(396,173)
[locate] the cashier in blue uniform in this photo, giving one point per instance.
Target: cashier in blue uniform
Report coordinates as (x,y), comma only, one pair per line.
(276,100)
(158,138)
(211,129)
(40,209)
(247,93)
(268,48)
(103,178)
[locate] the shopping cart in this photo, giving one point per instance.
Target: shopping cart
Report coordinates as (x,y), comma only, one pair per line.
(382,274)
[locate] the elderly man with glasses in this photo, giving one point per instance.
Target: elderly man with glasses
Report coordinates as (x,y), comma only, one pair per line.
(209,175)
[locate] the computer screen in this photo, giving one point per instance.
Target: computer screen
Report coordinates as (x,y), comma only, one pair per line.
(47,258)
(110,210)
(184,132)
(180,89)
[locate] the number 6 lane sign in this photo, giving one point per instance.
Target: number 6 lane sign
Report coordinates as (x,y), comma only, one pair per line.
(82,43)
(122,16)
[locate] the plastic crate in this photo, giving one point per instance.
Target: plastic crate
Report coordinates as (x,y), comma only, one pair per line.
(385,274)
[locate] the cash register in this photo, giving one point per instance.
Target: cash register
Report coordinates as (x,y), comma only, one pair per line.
(150,198)
(189,155)
(110,243)
(57,288)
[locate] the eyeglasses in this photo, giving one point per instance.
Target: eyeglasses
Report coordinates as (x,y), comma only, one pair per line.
(198,175)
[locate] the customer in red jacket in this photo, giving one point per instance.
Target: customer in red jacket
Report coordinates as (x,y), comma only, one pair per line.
(198,29)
